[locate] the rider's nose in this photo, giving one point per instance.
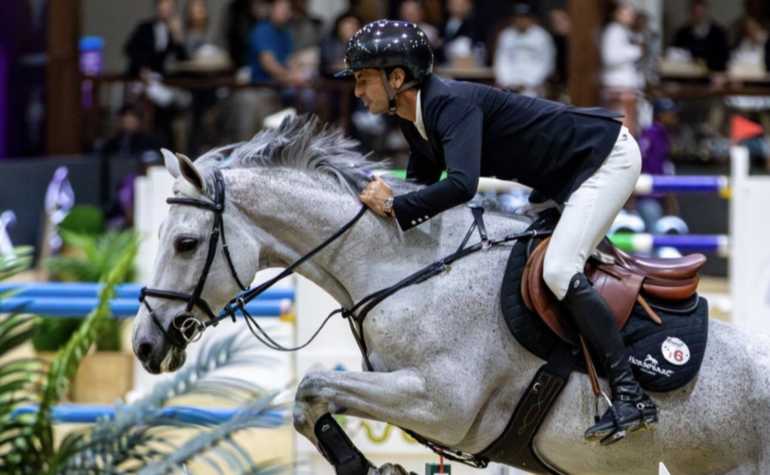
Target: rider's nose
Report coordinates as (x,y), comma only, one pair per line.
(144,350)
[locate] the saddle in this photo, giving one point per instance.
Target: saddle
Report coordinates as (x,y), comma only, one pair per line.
(621,279)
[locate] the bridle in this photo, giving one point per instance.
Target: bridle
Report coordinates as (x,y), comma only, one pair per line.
(190,329)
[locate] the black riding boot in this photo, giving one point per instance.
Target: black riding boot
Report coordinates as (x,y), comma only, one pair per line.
(631,409)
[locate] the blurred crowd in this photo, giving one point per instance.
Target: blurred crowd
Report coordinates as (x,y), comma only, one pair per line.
(280,46)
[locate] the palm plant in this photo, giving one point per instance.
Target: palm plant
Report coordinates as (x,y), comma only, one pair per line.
(30,442)
(98,255)
(17,376)
(135,442)
(138,439)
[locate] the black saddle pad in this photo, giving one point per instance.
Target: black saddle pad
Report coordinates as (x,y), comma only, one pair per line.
(664,358)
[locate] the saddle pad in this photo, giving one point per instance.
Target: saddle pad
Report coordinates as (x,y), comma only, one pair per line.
(664,358)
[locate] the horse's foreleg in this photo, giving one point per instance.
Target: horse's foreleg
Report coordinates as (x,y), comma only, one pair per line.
(401,398)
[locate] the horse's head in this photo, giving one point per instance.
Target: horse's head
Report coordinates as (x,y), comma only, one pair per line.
(284,187)
(192,279)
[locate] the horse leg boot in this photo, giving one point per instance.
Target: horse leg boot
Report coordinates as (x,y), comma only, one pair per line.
(631,409)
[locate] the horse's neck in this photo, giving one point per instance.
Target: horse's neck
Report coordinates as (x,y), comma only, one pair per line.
(299,212)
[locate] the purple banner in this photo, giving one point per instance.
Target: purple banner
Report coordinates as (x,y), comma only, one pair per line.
(3,99)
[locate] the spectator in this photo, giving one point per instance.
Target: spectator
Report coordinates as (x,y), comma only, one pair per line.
(655,145)
(413,12)
(525,53)
(619,54)
(704,38)
(646,35)
(269,48)
(154,40)
(335,43)
(241,17)
(130,141)
(305,30)
(751,9)
(270,45)
(196,22)
(751,49)
(459,29)
(561,27)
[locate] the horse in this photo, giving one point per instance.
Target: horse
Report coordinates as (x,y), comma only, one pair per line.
(287,189)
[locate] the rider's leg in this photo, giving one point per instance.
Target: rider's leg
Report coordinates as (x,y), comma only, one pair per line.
(587,216)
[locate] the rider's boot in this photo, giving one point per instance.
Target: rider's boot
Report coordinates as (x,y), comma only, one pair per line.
(631,409)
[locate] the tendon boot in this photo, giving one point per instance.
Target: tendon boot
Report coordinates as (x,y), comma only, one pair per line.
(631,409)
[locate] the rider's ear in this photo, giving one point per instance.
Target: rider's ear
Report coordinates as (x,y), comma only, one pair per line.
(190,173)
(172,164)
(397,78)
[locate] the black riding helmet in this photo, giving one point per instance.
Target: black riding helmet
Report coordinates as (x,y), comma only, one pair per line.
(385,44)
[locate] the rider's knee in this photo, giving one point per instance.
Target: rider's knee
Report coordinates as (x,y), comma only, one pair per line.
(557,275)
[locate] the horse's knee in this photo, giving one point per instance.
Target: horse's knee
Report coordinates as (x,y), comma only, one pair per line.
(299,419)
(311,387)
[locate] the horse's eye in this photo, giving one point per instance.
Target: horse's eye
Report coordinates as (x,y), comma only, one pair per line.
(185,244)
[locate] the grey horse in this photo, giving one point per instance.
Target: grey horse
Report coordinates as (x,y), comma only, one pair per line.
(288,189)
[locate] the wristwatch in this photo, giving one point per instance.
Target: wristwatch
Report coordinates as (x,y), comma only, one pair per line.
(387,207)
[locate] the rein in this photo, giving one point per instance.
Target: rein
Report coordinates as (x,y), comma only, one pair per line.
(190,329)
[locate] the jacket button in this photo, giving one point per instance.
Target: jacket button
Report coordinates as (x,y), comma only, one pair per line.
(414,222)
(427,217)
(419,220)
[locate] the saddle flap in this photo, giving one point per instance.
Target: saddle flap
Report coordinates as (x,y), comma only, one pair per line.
(543,300)
(619,287)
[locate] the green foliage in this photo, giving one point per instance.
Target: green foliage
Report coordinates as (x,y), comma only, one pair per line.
(17,376)
(33,449)
(138,439)
(53,333)
(83,219)
(99,256)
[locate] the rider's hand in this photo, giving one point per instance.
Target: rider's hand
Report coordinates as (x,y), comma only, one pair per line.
(375,193)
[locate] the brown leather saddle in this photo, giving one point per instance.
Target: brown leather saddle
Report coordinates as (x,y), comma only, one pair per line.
(621,279)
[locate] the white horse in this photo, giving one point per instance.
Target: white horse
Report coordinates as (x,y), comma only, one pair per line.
(287,190)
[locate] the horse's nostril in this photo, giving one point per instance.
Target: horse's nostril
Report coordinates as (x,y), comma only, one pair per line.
(144,351)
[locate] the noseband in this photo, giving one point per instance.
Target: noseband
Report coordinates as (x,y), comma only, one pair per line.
(190,329)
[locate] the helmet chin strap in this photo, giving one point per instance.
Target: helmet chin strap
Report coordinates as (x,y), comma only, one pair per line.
(393,92)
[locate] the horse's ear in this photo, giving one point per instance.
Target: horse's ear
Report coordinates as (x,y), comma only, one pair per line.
(172,164)
(190,173)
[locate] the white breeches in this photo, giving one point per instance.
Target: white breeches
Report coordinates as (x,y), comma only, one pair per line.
(589,212)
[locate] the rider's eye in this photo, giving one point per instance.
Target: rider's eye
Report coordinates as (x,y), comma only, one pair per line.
(185,243)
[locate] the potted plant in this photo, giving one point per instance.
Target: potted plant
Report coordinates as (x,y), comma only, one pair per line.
(88,255)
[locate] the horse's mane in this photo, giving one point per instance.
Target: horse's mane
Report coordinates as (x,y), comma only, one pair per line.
(302,143)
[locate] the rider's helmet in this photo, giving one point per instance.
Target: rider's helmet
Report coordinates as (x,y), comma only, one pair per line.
(385,44)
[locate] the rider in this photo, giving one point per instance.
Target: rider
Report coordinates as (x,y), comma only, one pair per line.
(583,159)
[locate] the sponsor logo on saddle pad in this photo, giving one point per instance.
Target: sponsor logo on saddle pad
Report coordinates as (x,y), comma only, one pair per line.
(650,366)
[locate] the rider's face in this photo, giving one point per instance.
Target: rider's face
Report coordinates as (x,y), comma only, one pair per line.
(371,91)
